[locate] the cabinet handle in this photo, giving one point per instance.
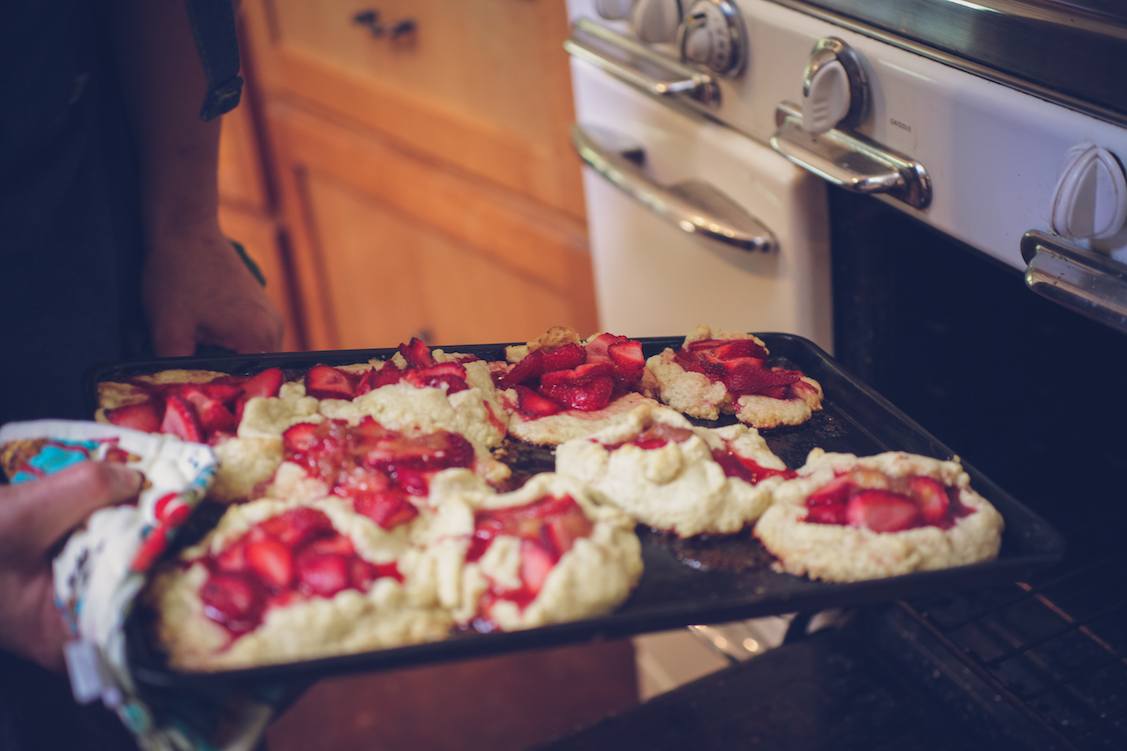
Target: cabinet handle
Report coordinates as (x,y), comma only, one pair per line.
(850,160)
(369,18)
(637,64)
(1085,281)
(694,206)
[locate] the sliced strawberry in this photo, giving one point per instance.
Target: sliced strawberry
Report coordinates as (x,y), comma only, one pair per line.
(563,531)
(322,574)
(272,561)
(535,565)
(882,511)
(233,600)
(450,373)
(832,513)
(416,353)
(265,384)
(746,376)
(533,405)
(335,545)
(626,357)
(388,508)
(298,526)
(729,349)
(587,396)
(564,357)
(659,434)
(411,481)
(931,497)
(439,450)
(233,558)
(387,375)
(835,492)
(690,361)
(212,414)
(301,437)
(598,348)
(325,382)
(747,469)
(367,382)
(524,371)
(180,419)
(144,416)
(361,574)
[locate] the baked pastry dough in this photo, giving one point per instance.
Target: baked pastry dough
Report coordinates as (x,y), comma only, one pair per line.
(698,380)
(656,466)
(827,523)
(545,553)
(276,583)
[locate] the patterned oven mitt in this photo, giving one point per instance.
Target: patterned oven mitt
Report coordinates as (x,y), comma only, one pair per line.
(104,565)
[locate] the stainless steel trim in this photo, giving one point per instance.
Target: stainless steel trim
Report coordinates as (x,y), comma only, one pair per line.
(719,643)
(1085,281)
(850,160)
(637,64)
(695,207)
(832,49)
(1057,60)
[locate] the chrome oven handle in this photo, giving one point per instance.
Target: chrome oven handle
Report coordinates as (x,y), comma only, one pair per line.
(1082,280)
(849,160)
(637,64)
(693,206)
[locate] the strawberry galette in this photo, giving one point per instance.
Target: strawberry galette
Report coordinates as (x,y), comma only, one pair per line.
(385,474)
(846,518)
(653,464)
(728,372)
(560,387)
(274,582)
(545,553)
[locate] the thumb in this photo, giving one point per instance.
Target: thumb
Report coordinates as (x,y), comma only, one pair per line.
(174,334)
(35,515)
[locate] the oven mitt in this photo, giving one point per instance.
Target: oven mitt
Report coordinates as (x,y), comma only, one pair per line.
(103,566)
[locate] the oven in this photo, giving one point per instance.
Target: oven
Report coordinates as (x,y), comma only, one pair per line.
(941,190)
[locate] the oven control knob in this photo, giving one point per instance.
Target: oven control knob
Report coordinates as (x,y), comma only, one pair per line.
(614,10)
(656,20)
(1090,200)
(713,35)
(833,87)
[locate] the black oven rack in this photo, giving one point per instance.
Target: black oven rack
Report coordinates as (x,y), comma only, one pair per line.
(671,593)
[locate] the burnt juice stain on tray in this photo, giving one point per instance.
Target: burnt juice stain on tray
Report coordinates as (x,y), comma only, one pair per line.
(738,552)
(525,460)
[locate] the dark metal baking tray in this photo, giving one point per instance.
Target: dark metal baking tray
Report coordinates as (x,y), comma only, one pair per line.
(684,582)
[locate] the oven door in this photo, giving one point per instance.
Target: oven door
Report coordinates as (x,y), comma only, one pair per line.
(691,222)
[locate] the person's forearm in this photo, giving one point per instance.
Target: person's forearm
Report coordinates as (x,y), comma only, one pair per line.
(164,85)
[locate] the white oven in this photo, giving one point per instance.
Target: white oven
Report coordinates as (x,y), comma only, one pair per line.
(710,131)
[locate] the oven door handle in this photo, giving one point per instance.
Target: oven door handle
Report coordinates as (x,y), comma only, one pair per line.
(849,160)
(694,206)
(637,64)
(1082,280)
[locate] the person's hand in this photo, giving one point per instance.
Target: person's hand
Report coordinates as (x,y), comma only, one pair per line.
(34,516)
(197,290)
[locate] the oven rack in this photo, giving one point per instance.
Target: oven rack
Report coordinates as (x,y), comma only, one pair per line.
(1055,645)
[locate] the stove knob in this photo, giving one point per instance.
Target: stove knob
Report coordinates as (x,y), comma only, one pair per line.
(713,35)
(1090,200)
(656,20)
(614,10)
(833,87)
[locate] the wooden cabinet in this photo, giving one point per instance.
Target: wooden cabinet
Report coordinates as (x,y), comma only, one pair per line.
(423,185)
(391,244)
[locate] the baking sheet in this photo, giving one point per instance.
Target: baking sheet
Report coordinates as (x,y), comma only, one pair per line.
(685,581)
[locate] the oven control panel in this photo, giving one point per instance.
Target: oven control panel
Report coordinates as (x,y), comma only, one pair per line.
(713,35)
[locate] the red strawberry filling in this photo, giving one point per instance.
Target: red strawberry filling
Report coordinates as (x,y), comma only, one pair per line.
(297,554)
(548,528)
(654,437)
(552,379)
(740,364)
(747,469)
(421,371)
(378,469)
(196,411)
(869,499)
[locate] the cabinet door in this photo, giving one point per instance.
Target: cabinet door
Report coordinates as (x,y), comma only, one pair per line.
(389,244)
(481,85)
